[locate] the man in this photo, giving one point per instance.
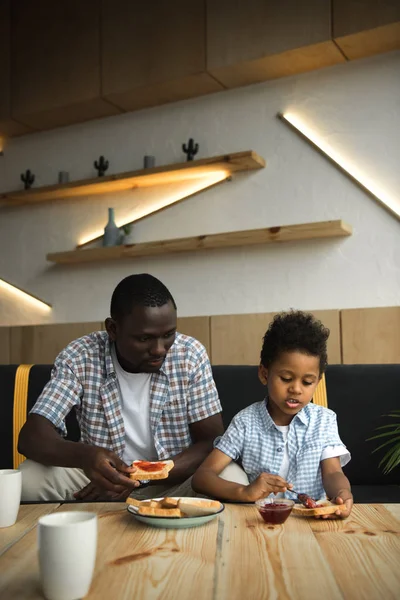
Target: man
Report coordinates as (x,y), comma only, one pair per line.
(140,390)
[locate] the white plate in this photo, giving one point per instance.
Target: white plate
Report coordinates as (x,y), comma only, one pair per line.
(174,522)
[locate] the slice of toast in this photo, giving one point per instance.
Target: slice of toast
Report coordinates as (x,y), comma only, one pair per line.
(198,508)
(133,502)
(169,503)
(151,469)
(323,508)
(148,511)
(139,503)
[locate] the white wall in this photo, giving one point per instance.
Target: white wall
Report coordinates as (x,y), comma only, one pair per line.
(356,108)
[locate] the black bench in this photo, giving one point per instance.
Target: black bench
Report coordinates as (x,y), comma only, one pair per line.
(359,394)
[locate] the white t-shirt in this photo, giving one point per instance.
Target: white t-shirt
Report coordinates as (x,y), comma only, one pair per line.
(328,452)
(135,403)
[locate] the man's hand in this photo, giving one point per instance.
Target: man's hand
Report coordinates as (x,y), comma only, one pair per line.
(91,493)
(343,497)
(263,486)
(107,472)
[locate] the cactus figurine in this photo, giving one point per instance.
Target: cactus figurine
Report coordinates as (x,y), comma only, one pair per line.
(28,178)
(191,149)
(101,166)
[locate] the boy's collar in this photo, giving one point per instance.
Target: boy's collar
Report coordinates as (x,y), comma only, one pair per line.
(302,415)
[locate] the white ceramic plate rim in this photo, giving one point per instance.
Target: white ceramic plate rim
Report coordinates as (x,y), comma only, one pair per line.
(135,510)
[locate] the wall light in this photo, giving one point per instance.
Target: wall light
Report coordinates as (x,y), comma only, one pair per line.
(366,184)
(26,296)
(203,182)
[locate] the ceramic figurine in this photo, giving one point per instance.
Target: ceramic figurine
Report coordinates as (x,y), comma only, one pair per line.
(191,149)
(112,233)
(63,177)
(149,162)
(28,178)
(128,235)
(101,166)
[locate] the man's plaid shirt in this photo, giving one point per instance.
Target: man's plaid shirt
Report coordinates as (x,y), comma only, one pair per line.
(83,376)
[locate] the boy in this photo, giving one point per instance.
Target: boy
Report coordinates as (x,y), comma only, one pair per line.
(284,438)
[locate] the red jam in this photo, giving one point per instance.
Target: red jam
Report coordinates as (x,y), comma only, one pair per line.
(275,513)
(149,467)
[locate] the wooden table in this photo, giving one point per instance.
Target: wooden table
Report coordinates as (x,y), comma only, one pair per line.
(236,556)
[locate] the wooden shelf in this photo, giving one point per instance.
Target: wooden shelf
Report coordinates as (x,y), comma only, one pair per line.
(251,237)
(228,163)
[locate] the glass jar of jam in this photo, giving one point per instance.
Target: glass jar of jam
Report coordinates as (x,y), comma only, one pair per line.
(275,510)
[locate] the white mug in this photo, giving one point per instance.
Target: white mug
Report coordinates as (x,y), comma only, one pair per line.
(10,496)
(67,554)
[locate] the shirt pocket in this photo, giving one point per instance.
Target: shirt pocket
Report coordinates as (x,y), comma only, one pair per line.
(309,457)
(174,416)
(312,448)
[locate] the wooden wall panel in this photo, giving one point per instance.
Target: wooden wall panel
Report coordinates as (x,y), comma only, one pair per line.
(371,335)
(40,344)
(4,345)
(366,27)
(259,40)
(331,320)
(353,16)
(154,52)
(8,126)
(371,42)
(55,63)
(368,335)
(197,327)
(237,339)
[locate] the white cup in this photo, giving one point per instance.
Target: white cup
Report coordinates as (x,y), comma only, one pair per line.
(10,496)
(67,554)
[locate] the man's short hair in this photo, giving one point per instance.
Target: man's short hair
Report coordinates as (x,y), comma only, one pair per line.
(138,290)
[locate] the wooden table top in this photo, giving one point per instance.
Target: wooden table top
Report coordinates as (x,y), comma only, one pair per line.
(233,557)
(28,516)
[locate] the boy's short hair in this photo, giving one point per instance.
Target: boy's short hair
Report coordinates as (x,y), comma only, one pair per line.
(295,330)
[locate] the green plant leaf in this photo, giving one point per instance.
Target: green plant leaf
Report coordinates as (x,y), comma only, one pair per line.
(391,431)
(386,433)
(387,443)
(391,458)
(387,426)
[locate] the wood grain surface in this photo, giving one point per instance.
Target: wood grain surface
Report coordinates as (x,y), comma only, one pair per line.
(27,519)
(256,560)
(40,344)
(371,336)
(233,557)
(363,552)
(250,329)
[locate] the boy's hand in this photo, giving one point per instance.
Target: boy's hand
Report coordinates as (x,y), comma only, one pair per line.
(343,497)
(263,486)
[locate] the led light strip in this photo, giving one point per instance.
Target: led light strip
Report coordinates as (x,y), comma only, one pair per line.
(202,182)
(37,302)
(368,186)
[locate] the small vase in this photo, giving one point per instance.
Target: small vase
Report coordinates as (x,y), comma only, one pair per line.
(112,233)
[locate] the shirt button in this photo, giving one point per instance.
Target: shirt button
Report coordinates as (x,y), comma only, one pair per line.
(279,449)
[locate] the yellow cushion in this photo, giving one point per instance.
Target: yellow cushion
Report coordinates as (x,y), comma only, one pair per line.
(20,406)
(320,396)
